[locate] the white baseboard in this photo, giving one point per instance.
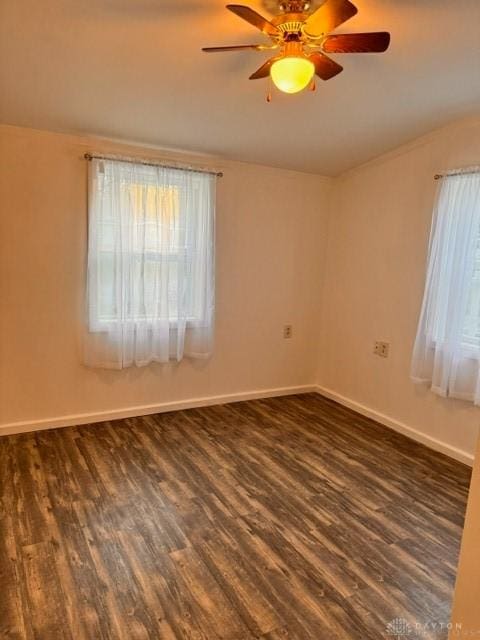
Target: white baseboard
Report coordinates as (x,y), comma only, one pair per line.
(143,410)
(443,447)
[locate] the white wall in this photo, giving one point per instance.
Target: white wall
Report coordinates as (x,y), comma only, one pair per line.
(273,267)
(271,232)
(373,286)
(466,612)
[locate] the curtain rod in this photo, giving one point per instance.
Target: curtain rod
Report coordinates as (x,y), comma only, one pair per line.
(151,163)
(439,176)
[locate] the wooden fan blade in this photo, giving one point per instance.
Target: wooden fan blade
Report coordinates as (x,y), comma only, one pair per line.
(254,19)
(330,15)
(325,67)
(238,47)
(264,70)
(376,42)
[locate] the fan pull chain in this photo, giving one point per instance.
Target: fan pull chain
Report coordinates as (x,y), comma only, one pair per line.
(269,90)
(313,85)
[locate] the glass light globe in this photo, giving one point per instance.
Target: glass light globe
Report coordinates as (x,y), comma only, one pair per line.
(292,74)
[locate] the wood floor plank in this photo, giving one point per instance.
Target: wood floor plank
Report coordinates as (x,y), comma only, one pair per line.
(216,609)
(282,519)
(46,605)
(12,604)
(240,581)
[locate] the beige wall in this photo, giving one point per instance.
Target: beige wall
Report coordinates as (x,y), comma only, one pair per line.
(466,610)
(375,269)
(271,231)
(273,267)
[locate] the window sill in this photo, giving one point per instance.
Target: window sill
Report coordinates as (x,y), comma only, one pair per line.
(102,326)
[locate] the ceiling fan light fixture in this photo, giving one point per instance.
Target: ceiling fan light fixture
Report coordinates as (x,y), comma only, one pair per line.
(303,33)
(292,74)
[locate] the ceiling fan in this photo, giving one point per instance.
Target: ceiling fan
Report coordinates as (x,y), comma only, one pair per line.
(303,39)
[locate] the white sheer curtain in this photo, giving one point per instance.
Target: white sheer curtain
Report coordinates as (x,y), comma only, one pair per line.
(150,288)
(447,347)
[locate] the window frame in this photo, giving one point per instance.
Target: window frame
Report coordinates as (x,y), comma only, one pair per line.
(98,323)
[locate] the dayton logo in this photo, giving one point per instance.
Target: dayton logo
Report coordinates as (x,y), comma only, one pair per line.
(399,627)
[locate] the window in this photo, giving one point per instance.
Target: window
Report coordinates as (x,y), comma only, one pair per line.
(447,346)
(150,263)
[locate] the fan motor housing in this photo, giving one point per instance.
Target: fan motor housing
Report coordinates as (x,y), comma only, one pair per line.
(290,26)
(291,6)
(294,6)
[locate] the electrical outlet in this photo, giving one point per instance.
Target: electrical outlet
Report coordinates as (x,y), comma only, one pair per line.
(381,349)
(287,331)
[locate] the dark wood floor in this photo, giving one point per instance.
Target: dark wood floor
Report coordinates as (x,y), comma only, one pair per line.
(282,518)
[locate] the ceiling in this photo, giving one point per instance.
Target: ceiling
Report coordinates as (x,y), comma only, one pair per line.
(133,69)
